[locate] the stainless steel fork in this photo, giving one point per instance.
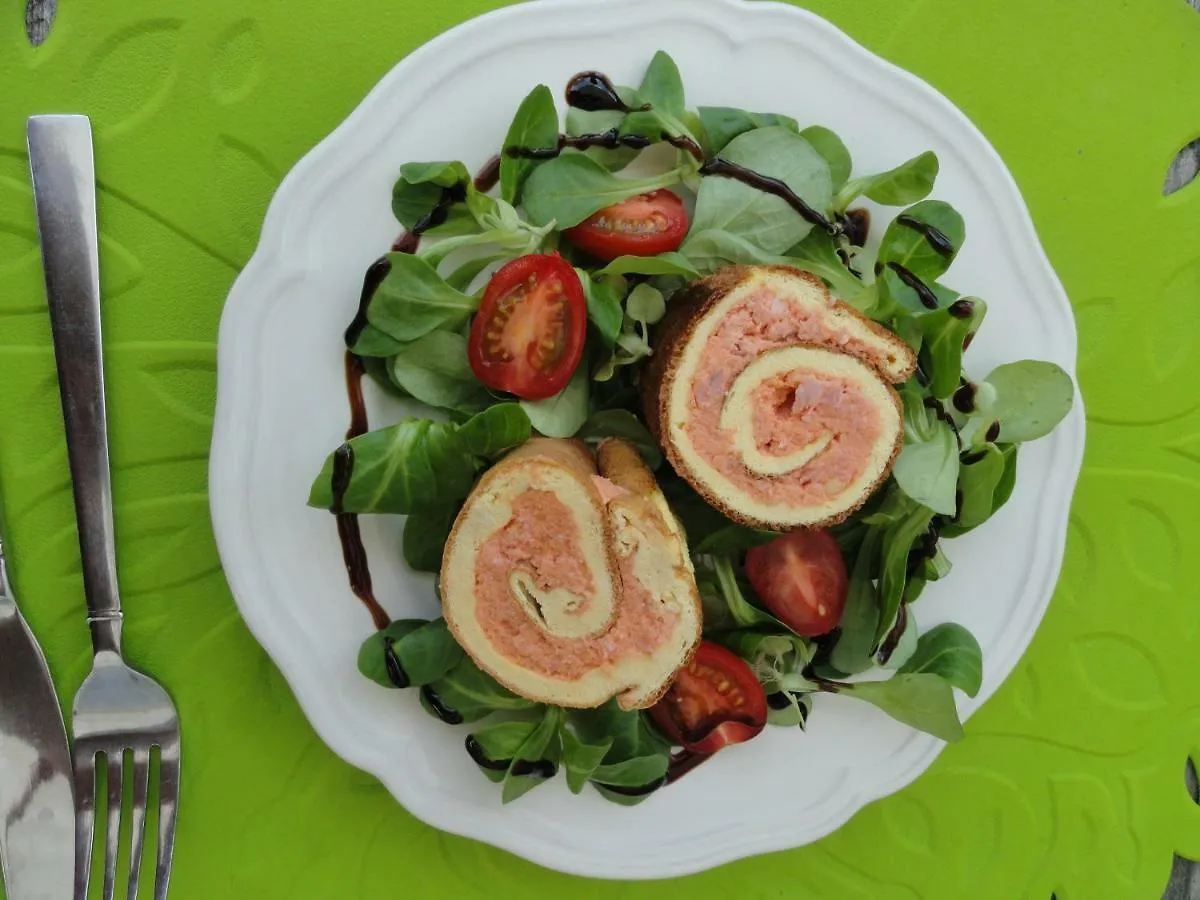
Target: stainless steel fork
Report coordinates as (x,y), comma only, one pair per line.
(118,711)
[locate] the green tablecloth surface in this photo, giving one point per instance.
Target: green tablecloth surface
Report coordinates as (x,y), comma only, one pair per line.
(1071,779)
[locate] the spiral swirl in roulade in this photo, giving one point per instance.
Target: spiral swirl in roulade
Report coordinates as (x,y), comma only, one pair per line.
(773,399)
(569,582)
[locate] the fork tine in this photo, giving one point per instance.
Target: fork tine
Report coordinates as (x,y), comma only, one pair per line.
(84,763)
(168,804)
(141,781)
(112,836)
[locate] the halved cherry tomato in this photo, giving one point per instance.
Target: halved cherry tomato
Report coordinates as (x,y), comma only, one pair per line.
(527,337)
(801,578)
(714,701)
(640,226)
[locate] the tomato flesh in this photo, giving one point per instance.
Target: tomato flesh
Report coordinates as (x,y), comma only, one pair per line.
(527,338)
(801,578)
(639,226)
(714,701)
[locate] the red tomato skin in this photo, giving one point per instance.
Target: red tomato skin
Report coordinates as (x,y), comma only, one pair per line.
(596,236)
(519,376)
(800,578)
(740,725)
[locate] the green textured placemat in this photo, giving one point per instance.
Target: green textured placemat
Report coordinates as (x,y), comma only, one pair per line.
(1071,779)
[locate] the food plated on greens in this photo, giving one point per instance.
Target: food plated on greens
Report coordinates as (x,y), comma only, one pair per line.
(690,450)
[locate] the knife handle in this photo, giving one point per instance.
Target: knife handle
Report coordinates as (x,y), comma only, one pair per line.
(64,190)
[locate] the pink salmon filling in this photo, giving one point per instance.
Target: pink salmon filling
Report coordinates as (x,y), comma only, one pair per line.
(542,539)
(790,411)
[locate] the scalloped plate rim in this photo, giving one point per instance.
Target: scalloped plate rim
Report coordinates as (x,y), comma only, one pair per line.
(741,19)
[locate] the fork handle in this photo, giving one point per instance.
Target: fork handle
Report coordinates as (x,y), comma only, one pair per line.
(64,190)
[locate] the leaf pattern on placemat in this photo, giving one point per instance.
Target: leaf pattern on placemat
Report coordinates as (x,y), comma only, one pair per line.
(1069,781)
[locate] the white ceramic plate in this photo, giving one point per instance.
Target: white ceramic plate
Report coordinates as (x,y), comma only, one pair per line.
(282,407)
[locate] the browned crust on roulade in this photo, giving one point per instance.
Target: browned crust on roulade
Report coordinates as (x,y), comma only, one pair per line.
(684,313)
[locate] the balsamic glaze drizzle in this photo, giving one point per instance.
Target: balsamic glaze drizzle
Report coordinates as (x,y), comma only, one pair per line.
(447,714)
(487,177)
(964,398)
(961,309)
(856,225)
(927,297)
(396,673)
(542,768)
(354,554)
(640,791)
(779,700)
(376,272)
(941,244)
(609,140)
(765,183)
(594,92)
(892,640)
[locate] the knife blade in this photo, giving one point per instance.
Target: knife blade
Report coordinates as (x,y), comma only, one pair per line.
(37,809)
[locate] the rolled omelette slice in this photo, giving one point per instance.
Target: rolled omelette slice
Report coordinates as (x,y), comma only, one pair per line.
(571,584)
(773,399)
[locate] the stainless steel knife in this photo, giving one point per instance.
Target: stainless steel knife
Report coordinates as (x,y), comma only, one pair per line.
(37,810)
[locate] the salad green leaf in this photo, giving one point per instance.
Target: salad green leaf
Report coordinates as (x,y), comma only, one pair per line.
(662,86)
(733,538)
(543,746)
(953,654)
(604,305)
(434,370)
(415,464)
(927,469)
(425,534)
(474,695)
(898,540)
(629,731)
(419,189)
(943,335)
(920,700)
(496,430)
(535,126)
(980,487)
(424,651)
(373,343)
(907,183)
(414,300)
(907,246)
(581,759)
(766,221)
(670,263)
(637,772)
(721,124)
(730,591)
(860,618)
(569,188)
(1030,398)
(562,415)
(830,146)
